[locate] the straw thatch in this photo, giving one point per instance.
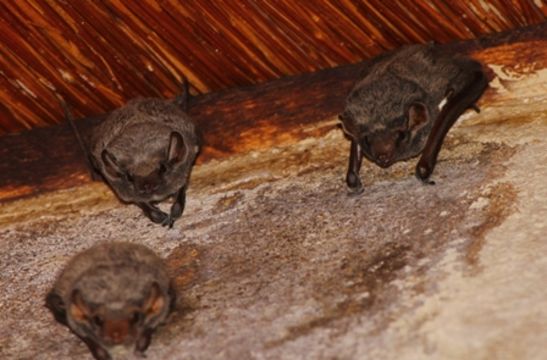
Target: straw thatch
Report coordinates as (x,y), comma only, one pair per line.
(98,54)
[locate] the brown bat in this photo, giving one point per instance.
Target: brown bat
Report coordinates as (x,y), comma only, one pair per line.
(405,104)
(145,151)
(113,295)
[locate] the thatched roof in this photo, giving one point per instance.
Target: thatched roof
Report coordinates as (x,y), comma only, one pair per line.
(97,55)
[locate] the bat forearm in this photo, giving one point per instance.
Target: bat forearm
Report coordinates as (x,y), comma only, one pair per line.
(144,341)
(455,106)
(98,352)
(178,206)
(355,159)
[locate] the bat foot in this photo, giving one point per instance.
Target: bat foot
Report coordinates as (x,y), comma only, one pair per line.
(355,191)
(169,221)
(427,182)
(95,176)
(98,352)
(158,217)
(476,108)
(423,173)
(175,213)
(354,184)
(143,342)
(140,355)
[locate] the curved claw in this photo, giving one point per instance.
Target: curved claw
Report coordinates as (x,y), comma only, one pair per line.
(354,183)
(159,217)
(168,221)
(476,108)
(355,191)
(143,342)
(427,182)
(422,173)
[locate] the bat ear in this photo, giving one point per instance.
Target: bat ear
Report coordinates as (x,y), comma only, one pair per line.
(156,301)
(176,148)
(110,164)
(347,121)
(417,116)
(78,309)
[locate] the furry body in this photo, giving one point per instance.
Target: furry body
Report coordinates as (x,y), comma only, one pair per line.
(393,112)
(113,294)
(145,151)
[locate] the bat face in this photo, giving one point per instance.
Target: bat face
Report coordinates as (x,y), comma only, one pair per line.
(404,105)
(387,141)
(116,323)
(119,323)
(145,151)
(113,296)
(147,172)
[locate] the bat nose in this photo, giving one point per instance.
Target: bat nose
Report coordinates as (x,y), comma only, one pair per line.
(116,331)
(117,337)
(383,160)
(148,187)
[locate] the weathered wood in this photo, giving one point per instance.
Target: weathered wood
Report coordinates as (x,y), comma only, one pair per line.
(99,54)
(232,121)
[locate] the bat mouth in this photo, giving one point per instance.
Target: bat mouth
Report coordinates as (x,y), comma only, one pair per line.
(383,161)
(159,196)
(384,165)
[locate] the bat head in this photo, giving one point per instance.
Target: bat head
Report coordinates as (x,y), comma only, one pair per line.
(147,170)
(387,141)
(121,323)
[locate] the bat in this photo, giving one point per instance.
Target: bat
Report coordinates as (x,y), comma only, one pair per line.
(145,151)
(404,104)
(113,295)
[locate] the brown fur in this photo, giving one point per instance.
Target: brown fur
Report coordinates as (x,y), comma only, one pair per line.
(112,294)
(145,151)
(137,136)
(391,111)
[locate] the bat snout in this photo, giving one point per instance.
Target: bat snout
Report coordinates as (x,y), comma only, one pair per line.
(117,337)
(116,332)
(147,186)
(383,160)
(383,147)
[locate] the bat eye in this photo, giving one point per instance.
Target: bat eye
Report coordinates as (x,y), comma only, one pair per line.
(137,317)
(98,321)
(129,177)
(365,142)
(402,135)
(163,169)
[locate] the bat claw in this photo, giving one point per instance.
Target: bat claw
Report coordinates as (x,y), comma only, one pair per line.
(168,221)
(142,343)
(422,173)
(354,184)
(355,191)
(140,354)
(157,216)
(476,108)
(95,176)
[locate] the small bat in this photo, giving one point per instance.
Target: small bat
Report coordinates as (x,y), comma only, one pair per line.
(404,105)
(145,151)
(113,295)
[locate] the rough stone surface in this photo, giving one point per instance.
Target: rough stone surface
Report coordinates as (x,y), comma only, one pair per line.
(273,260)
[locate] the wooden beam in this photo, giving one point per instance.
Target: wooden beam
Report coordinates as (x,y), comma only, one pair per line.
(233,121)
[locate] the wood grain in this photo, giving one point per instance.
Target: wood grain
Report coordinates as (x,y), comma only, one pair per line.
(99,54)
(236,120)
